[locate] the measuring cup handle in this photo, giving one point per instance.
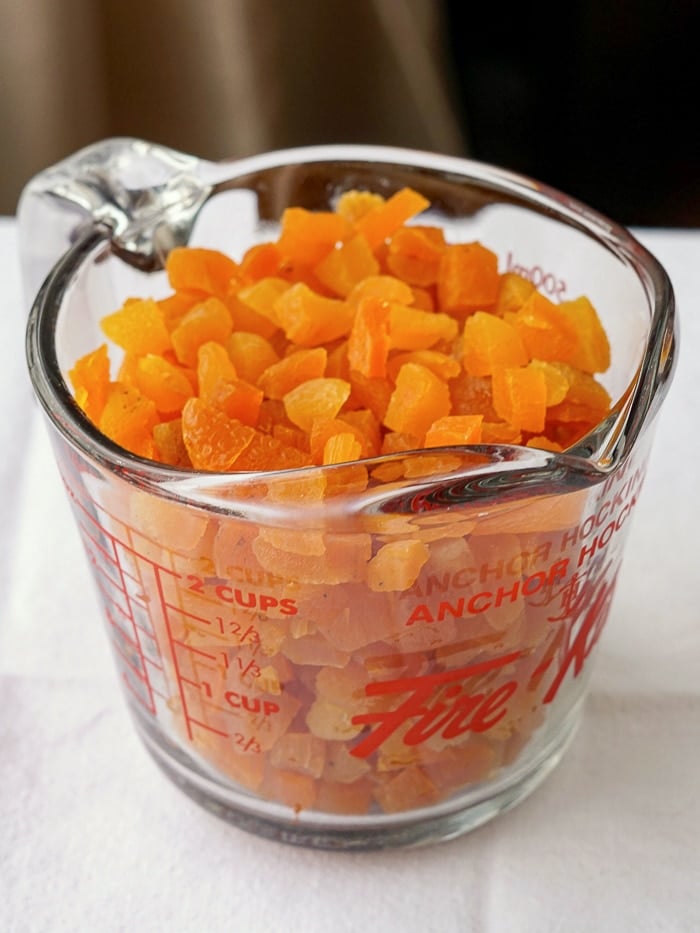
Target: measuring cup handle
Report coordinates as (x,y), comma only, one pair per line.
(146,195)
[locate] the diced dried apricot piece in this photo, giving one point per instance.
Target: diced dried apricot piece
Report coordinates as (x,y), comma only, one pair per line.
(270,453)
(368,344)
(386,287)
(367,423)
(420,397)
(138,327)
(542,442)
(202,271)
(214,367)
(163,382)
(207,321)
(490,343)
(370,393)
(557,379)
(213,440)
(298,367)
(444,366)
(413,329)
(310,320)
(454,429)
(320,398)
(307,236)
(546,333)
(586,400)
(261,261)
(354,204)
(520,397)
(513,292)
(262,296)
(408,789)
(90,380)
(414,254)
(250,354)
(170,445)
(128,418)
(396,565)
(500,432)
(592,353)
(472,395)
(468,278)
(380,223)
(239,399)
(174,306)
(300,752)
(323,431)
(346,265)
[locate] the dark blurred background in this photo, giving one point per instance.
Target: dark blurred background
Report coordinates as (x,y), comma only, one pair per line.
(597,98)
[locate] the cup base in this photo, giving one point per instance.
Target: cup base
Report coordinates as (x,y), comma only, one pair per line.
(455,817)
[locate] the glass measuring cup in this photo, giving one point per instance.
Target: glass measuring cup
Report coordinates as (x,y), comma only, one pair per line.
(268,669)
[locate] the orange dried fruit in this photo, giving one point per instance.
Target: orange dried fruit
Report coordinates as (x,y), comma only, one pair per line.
(138,327)
(310,320)
(413,329)
(378,224)
(354,204)
(90,380)
(444,366)
(546,333)
(200,271)
(214,367)
(468,278)
(207,321)
(396,565)
(212,439)
(308,236)
(298,367)
(592,352)
(170,445)
(454,430)
(513,292)
(261,297)
(368,343)
(346,265)
(520,397)
(128,418)
(414,254)
(490,343)
(163,382)
(386,287)
(320,398)
(419,399)
(251,354)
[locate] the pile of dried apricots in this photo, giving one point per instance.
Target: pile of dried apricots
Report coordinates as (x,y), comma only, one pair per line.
(357,332)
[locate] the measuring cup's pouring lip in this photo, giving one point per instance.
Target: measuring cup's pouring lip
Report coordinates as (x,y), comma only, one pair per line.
(482,472)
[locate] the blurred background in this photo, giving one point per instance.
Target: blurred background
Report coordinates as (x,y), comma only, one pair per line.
(596,97)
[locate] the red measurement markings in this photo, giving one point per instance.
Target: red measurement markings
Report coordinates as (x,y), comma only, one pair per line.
(103,549)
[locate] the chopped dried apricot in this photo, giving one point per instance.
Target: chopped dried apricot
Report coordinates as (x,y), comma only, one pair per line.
(520,397)
(468,278)
(419,399)
(138,327)
(320,398)
(207,321)
(490,343)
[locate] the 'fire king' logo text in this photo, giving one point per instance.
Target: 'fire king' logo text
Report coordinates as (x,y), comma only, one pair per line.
(454,711)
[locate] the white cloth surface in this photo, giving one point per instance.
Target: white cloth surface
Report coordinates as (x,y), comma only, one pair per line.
(94,838)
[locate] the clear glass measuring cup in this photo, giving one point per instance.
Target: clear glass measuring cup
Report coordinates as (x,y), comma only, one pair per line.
(268,670)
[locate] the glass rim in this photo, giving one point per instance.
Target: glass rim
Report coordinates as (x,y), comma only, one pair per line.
(509,466)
